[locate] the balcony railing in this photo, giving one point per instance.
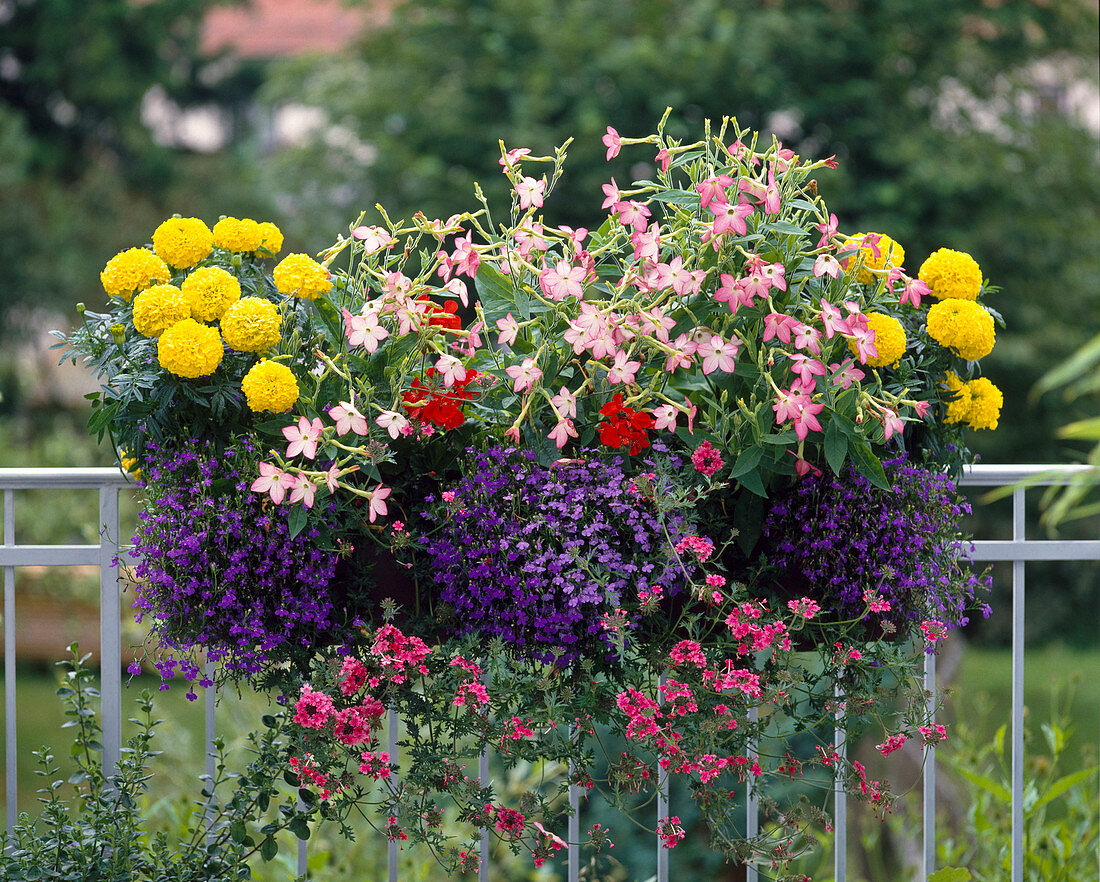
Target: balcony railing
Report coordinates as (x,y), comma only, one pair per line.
(1018,551)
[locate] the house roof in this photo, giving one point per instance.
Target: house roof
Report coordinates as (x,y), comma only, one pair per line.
(276,28)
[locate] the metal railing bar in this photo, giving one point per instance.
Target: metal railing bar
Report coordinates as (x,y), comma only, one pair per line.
(49,555)
(997,475)
(574,833)
(483,842)
(840,808)
(752,802)
(63,478)
(662,801)
(110,631)
(1018,534)
(1036,549)
(11,756)
(210,700)
(928,834)
(392,722)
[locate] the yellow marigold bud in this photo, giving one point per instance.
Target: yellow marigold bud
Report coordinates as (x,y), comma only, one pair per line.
(889,340)
(251,325)
(182,242)
(158,308)
(211,291)
(877,251)
(959,406)
(237,235)
(131,271)
(963,326)
(269,385)
(986,401)
(952,274)
(188,349)
(271,240)
(299,275)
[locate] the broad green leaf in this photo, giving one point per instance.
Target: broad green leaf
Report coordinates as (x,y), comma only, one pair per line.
(1062,785)
(786,228)
(497,293)
(747,460)
(988,784)
(677,197)
(836,446)
(296,522)
(867,463)
(269,848)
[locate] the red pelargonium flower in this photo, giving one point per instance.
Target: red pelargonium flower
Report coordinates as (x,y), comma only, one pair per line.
(429,401)
(442,316)
(624,426)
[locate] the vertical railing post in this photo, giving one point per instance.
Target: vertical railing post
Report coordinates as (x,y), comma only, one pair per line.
(11,783)
(752,801)
(110,630)
(928,843)
(574,833)
(662,800)
(392,722)
(483,843)
(1019,531)
(840,822)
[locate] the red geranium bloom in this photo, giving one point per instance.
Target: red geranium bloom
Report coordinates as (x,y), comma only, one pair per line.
(430,402)
(624,426)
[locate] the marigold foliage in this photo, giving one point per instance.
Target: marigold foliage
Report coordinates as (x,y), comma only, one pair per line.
(131,271)
(270,386)
(889,340)
(237,235)
(251,324)
(876,255)
(158,308)
(182,242)
(952,274)
(211,291)
(963,326)
(299,275)
(189,349)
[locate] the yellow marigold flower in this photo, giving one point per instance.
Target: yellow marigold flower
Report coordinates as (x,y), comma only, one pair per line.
(958,408)
(986,401)
(237,235)
(251,325)
(889,340)
(188,349)
(271,240)
(211,291)
(182,242)
(158,308)
(875,254)
(962,325)
(131,271)
(952,274)
(269,385)
(299,275)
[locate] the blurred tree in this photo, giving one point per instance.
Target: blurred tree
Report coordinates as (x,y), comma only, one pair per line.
(82,176)
(945,132)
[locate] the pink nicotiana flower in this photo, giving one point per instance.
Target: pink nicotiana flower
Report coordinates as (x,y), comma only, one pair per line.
(303,438)
(826,265)
(373,238)
(393,422)
(828,230)
(508,328)
(378,502)
(717,353)
(809,338)
(611,193)
(780,326)
(846,373)
(832,319)
(348,419)
(304,491)
(713,190)
(511,157)
(562,280)
(623,370)
(565,404)
(664,417)
(912,291)
(451,369)
(530,192)
(864,338)
(729,218)
(364,330)
(632,214)
(613,143)
(663,159)
(562,432)
(806,367)
(892,423)
(682,281)
(524,375)
(273,481)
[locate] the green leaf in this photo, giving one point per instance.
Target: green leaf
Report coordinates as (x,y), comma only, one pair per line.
(237,831)
(747,460)
(988,784)
(867,463)
(950,874)
(676,197)
(497,293)
(1063,784)
(786,228)
(299,516)
(836,446)
(299,828)
(269,848)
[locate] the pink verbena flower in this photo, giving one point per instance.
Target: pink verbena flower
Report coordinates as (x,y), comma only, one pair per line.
(706,459)
(313,709)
